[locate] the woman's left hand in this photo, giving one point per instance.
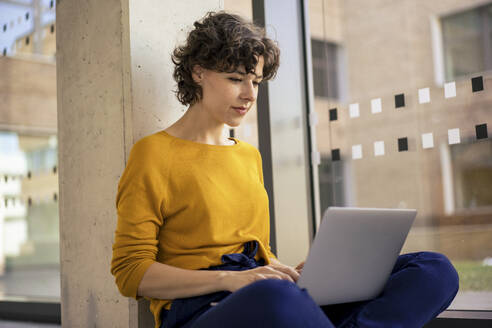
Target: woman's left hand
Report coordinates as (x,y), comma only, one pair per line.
(293,272)
(300,266)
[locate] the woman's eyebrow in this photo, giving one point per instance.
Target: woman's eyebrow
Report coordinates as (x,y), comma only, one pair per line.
(244,73)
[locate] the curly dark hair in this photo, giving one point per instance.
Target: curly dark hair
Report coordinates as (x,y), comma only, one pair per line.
(222,42)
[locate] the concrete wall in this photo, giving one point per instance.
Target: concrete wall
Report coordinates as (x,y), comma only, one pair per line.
(155,29)
(113,87)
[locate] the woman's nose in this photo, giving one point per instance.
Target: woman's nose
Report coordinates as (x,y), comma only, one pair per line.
(249,92)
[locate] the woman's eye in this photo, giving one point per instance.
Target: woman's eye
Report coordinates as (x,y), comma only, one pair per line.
(234,79)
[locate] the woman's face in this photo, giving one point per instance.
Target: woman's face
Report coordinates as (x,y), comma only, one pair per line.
(227,97)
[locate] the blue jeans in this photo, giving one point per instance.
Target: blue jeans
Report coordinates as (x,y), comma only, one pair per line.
(421,286)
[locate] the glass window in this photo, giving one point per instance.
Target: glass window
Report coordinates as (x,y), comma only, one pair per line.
(466,42)
(325,64)
(400,140)
(29,228)
(29,231)
(472,175)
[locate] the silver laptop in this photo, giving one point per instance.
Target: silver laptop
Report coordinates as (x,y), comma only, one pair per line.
(354,252)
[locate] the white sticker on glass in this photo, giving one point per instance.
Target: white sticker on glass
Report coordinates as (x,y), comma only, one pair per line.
(427,140)
(424,96)
(357,152)
(378,148)
(354,110)
(454,136)
(376,106)
(450,90)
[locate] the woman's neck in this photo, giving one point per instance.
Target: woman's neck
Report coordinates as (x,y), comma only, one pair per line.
(195,126)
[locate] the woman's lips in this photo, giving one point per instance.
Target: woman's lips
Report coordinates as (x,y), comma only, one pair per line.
(241,110)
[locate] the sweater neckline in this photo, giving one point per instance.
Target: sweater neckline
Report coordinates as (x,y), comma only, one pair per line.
(204,145)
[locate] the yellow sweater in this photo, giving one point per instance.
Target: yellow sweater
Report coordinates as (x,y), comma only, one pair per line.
(186,204)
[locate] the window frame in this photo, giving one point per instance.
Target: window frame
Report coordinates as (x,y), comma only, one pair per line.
(20,309)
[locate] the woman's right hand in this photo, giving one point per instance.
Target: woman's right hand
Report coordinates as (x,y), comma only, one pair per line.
(234,280)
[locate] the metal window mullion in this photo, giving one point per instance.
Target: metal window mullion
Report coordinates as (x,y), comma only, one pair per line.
(315,157)
(264,133)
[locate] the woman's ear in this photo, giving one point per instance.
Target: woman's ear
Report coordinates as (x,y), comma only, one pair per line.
(197,74)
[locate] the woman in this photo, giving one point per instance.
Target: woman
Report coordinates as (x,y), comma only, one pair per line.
(193,221)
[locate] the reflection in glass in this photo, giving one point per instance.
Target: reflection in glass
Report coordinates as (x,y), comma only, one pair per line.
(443,168)
(29,250)
(466,41)
(325,73)
(472,175)
(29,234)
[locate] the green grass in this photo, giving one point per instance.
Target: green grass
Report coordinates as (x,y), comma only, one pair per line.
(474,276)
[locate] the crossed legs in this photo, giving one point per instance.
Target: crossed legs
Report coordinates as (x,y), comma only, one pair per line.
(420,287)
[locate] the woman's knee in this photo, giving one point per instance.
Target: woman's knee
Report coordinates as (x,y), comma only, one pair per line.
(439,267)
(284,303)
(267,303)
(277,295)
(274,290)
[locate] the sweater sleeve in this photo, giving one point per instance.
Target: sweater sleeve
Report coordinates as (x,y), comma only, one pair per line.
(139,208)
(260,173)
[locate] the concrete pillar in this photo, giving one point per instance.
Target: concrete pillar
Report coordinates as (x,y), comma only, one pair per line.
(114,86)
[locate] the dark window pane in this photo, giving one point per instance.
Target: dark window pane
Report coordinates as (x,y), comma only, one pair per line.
(463,43)
(325,73)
